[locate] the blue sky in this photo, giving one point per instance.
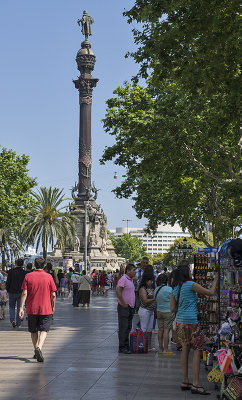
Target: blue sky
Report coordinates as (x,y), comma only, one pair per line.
(39,104)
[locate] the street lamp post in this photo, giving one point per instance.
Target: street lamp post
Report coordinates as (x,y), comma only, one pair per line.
(186,249)
(181,250)
(127,221)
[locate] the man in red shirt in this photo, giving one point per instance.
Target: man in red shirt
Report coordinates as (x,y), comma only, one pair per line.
(39,289)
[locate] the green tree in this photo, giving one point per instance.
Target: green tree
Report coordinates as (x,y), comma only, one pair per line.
(157,258)
(15,188)
(196,44)
(15,198)
(47,221)
(129,247)
(179,137)
(166,184)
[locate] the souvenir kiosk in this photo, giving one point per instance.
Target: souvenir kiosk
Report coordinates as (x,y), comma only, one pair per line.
(220,315)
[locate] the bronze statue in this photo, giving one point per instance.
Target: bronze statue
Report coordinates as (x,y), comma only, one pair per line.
(95,191)
(74,189)
(86,22)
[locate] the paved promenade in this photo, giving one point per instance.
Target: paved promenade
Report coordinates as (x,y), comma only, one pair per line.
(82,362)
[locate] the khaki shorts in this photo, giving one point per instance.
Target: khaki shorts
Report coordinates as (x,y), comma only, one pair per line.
(165,319)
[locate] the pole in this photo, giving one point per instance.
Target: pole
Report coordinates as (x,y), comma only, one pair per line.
(127,221)
(85,244)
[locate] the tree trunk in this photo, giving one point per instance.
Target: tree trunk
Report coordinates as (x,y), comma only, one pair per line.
(3,253)
(215,239)
(44,253)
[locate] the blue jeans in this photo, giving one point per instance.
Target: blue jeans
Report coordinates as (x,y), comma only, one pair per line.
(14,299)
(75,295)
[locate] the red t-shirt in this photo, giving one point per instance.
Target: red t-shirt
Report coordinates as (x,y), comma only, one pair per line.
(39,286)
(101,280)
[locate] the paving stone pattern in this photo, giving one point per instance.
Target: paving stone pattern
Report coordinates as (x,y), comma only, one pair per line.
(82,362)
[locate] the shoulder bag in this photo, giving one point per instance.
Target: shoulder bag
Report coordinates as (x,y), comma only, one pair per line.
(178,298)
(155,311)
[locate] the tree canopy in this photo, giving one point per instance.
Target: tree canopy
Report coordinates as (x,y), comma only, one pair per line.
(178,137)
(15,188)
(129,247)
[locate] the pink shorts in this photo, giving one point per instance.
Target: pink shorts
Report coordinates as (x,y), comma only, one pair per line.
(191,335)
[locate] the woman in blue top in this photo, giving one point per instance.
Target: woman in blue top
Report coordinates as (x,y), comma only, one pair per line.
(164,317)
(188,330)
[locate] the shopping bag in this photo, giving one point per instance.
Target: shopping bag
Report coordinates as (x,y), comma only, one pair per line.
(224,360)
(138,342)
(215,375)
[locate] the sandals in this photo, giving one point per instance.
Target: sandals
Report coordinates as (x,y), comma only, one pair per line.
(203,392)
(187,386)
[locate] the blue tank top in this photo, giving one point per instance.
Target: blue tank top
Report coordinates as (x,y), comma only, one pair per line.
(187,308)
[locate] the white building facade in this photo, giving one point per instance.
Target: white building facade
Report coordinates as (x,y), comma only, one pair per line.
(158,242)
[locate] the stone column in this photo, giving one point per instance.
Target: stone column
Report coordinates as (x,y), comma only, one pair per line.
(85,83)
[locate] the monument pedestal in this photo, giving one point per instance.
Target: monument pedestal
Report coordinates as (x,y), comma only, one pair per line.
(92,246)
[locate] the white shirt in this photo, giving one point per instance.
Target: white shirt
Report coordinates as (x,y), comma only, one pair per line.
(75,277)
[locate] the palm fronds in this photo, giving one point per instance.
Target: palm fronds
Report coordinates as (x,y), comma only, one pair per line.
(47,221)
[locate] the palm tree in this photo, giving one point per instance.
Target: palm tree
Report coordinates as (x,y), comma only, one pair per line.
(47,221)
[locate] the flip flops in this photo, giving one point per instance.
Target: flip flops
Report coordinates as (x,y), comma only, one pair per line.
(202,392)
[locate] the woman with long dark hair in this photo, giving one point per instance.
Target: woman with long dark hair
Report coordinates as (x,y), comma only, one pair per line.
(147,305)
(184,302)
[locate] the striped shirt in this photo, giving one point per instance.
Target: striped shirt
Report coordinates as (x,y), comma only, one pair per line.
(187,308)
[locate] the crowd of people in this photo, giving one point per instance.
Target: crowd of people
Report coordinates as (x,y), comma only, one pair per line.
(172,298)
(168,299)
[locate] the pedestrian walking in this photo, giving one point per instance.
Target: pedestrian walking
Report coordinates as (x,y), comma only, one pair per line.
(63,285)
(69,275)
(75,278)
(60,275)
(3,300)
(39,293)
(110,278)
(184,300)
(126,301)
(101,283)
(13,285)
(49,270)
(106,285)
(29,268)
(115,278)
(84,288)
(94,282)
